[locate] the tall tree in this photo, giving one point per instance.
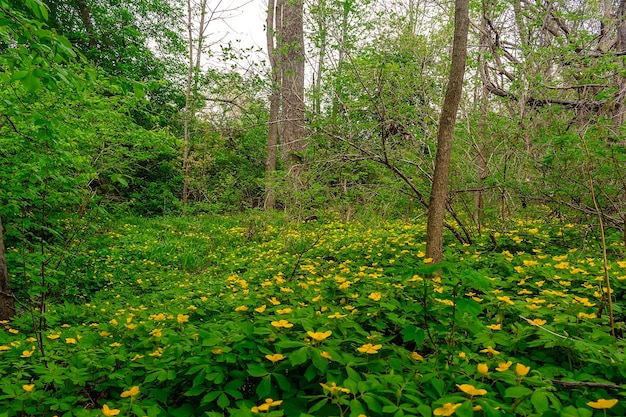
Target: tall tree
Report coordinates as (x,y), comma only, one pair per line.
(445,133)
(272,27)
(293,139)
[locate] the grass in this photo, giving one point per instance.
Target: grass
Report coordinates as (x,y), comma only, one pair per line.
(257,316)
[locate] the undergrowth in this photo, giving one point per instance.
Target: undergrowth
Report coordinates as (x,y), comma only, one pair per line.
(220,316)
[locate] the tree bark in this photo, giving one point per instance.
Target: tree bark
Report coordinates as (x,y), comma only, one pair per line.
(445,132)
(293,138)
(7,302)
(272,32)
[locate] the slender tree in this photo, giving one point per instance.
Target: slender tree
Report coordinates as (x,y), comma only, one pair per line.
(272,27)
(445,133)
(7,305)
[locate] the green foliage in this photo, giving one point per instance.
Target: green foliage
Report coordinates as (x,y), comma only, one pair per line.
(254,316)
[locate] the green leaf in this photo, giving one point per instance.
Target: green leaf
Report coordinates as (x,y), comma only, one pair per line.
(223,401)
(540,401)
(299,356)
(517,392)
(256,370)
(265,387)
(138,90)
(321,403)
(210,397)
(31,83)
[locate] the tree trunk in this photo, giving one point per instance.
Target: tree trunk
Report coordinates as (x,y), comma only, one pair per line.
(272,32)
(293,139)
(445,132)
(7,304)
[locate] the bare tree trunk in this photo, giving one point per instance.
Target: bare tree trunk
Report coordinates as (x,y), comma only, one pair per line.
(191,88)
(7,304)
(272,32)
(445,132)
(293,139)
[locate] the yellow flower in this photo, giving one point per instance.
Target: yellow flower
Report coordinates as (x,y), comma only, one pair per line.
(446,410)
(471,390)
(266,405)
(602,404)
(337,316)
(104,333)
(483,368)
(334,387)
(182,318)
(131,326)
(276,357)
(26,354)
(115,344)
(417,356)
(157,353)
(521,370)
(326,355)
(260,309)
(495,326)
(137,356)
(156,333)
(133,391)
(462,355)
(320,336)
(282,323)
(28,388)
(274,301)
(376,296)
(109,412)
(70,341)
(537,322)
(286,310)
(506,299)
(241,308)
(54,336)
(504,366)
(4,347)
(369,348)
(490,350)
(217,351)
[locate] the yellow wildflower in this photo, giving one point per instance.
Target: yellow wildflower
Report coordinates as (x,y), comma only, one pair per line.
(602,404)
(369,348)
(502,366)
(471,390)
(326,355)
(334,387)
(286,310)
(70,341)
(260,309)
(282,323)
(28,388)
(156,333)
(521,370)
(491,350)
(109,411)
(241,308)
(54,336)
(276,357)
(495,326)
(483,368)
(446,410)
(26,354)
(417,356)
(376,296)
(182,318)
(133,391)
(320,336)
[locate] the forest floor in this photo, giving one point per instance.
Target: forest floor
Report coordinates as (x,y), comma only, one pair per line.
(257,316)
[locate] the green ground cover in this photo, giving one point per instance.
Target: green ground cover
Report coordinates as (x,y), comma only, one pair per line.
(219,316)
